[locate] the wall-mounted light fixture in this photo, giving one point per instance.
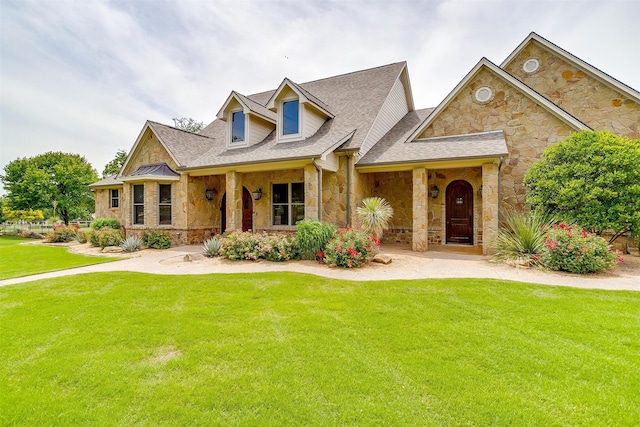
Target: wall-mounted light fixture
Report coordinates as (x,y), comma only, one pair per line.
(480,191)
(210,194)
(434,191)
(257,195)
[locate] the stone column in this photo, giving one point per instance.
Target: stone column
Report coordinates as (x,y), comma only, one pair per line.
(311,202)
(420,210)
(234,201)
(490,204)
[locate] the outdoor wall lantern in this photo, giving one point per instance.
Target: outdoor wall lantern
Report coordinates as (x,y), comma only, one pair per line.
(257,195)
(210,194)
(435,191)
(480,191)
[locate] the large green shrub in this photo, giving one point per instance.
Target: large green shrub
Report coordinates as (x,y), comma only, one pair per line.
(312,237)
(574,250)
(591,179)
(349,248)
(521,236)
(105,237)
(99,223)
(62,233)
(277,247)
(156,239)
(252,246)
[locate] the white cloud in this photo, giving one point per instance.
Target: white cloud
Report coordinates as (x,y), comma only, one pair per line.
(84,76)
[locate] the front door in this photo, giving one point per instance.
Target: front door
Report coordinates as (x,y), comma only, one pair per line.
(247,211)
(459,212)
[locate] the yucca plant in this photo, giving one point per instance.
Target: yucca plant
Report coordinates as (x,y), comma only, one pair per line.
(522,236)
(131,244)
(211,247)
(374,215)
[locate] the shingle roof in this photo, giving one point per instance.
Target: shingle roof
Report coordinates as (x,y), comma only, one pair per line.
(354,98)
(257,108)
(182,145)
(392,148)
(110,181)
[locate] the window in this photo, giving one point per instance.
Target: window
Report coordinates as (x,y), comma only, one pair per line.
(288,203)
(237,126)
(164,204)
(114,198)
(290,117)
(138,204)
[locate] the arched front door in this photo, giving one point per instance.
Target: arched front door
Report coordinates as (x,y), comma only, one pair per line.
(459,212)
(247,211)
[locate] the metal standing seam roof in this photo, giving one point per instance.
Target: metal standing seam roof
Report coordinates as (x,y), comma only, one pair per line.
(154,169)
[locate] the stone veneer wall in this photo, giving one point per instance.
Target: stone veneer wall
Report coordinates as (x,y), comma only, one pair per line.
(396,188)
(103,204)
(529,129)
(599,105)
(334,194)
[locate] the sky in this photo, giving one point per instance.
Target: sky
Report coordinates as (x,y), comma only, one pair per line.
(84,76)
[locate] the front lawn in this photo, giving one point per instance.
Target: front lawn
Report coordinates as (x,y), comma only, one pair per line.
(18,260)
(291,349)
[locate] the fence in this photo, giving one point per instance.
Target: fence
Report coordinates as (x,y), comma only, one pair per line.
(42,227)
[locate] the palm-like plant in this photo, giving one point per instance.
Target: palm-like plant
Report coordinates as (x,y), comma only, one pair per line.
(374,215)
(522,236)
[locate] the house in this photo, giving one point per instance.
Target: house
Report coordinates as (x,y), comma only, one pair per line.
(314,150)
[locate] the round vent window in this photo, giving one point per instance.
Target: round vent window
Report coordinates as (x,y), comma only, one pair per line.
(483,94)
(531,65)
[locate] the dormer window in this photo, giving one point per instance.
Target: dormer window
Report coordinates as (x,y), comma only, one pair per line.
(290,117)
(237,127)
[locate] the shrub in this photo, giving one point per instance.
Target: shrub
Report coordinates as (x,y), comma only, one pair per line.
(131,244)
(99,223)
(211,247)
(238,245)
(62,233)
(105,237)
(574,250)
(374,215)
(277,247)
(312,237)
(252,246)
(349,248)
(521,236)
(156,239)
(81,236)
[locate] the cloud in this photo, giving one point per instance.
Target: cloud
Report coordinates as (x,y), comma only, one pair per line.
(83,77)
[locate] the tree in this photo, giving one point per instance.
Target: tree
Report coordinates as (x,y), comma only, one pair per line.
(592,179)
(114,166)
(49,179)
(188,124)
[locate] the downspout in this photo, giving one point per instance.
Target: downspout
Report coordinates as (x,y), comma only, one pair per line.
(348,190)
(499,190)
(319,169)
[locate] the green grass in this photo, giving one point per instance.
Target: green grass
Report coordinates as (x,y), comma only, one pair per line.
(278,349)
(23,260)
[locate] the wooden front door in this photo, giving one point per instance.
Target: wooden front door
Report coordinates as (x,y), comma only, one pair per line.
(459,212)
(247,211)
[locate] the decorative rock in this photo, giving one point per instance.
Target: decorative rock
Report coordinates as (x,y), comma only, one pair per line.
(382,259)
(112,250)
(187,258)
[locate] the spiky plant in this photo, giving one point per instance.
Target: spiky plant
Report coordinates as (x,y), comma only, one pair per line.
(211,247)
(374,215)
(131,244)
(521,236)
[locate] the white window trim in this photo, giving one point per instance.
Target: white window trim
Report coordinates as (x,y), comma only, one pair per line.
(111,198)
(231,144)
(289,204)
(133,205)
(164,204)
(292,136)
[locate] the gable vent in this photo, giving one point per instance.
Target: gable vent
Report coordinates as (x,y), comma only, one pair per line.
(531,65)
(483,94)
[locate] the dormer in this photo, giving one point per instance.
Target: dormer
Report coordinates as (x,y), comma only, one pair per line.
(299,113)
(248,122)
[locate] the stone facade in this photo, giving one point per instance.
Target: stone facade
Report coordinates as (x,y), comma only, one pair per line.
(599,105)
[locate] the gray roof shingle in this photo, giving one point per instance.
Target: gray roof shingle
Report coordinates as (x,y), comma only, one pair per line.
(110,181)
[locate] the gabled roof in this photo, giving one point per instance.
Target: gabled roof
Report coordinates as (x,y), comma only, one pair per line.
(354,98)
(526,90)
(249,106)
(586,67)
(110,181)
(305,96)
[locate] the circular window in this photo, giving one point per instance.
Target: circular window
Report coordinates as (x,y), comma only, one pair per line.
(530,65)
(483,94)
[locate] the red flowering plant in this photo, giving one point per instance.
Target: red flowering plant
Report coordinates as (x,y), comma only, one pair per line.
(572,249)
(62,233)
(349,248)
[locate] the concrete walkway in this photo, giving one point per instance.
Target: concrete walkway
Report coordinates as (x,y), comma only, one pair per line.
(405,265)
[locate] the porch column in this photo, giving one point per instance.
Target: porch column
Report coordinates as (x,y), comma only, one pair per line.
(311,202)
(490,203)
(420,210)
(234,201)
